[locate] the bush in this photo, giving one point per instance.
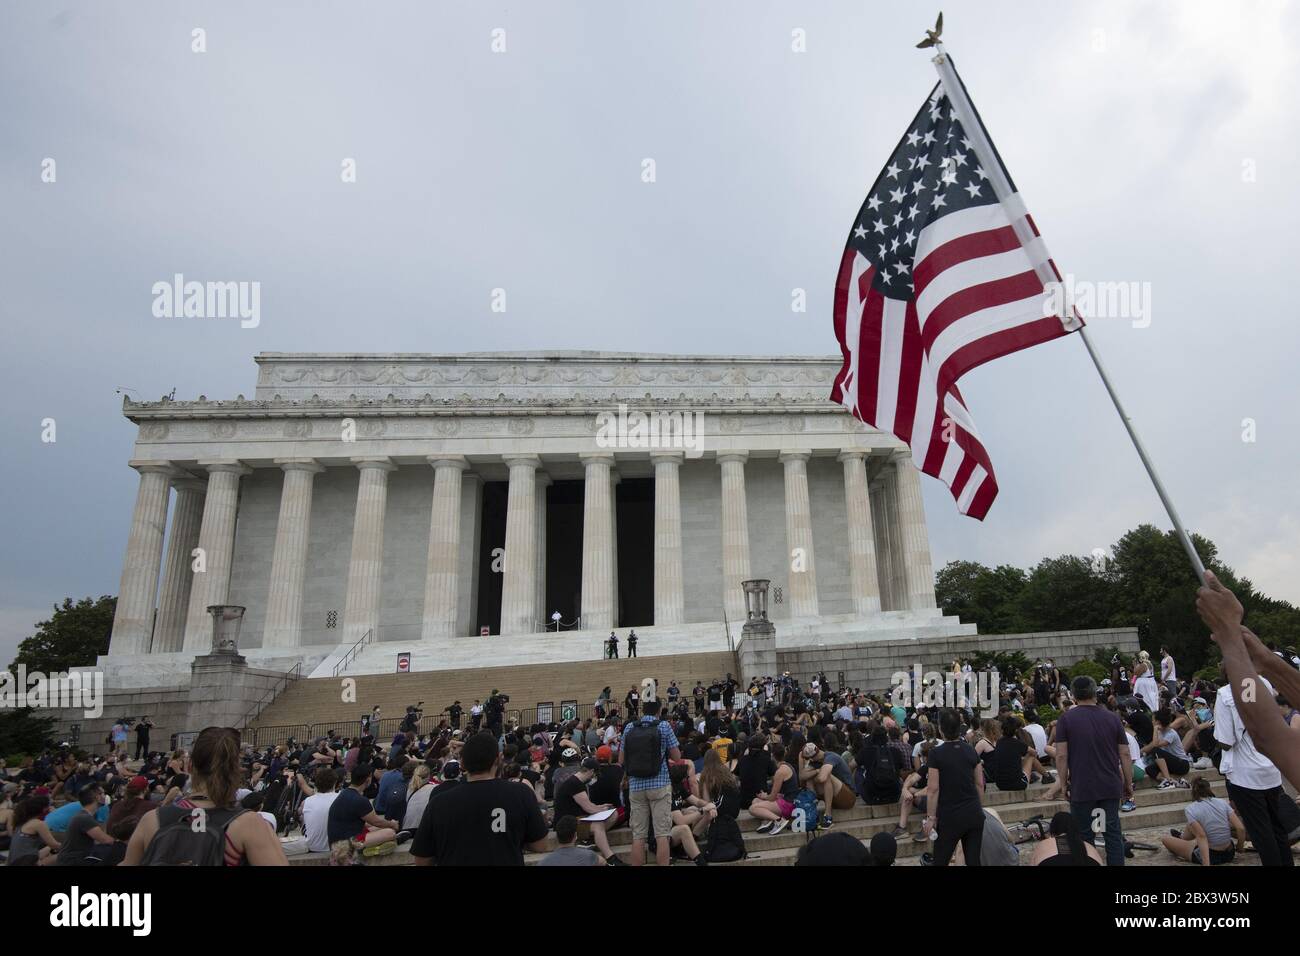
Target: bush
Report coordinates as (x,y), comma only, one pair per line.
(1010,665)
(1102,656)
(1089,669)
(1046,714)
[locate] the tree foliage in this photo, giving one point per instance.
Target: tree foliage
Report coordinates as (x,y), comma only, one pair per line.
(74,635)
(1145,583)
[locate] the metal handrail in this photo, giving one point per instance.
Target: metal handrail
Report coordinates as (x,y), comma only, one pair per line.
(293,673)
(352,653)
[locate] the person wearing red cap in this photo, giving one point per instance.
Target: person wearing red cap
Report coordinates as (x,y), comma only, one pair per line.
(126,813)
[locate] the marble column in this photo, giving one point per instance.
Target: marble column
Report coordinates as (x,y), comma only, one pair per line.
(597,544)
(283,626)
(864,585)
(883,520)
(735,533)
(133,621)
(519,581)
(174,600)
(543,612)
(614,479)
(211,585)
(669,595)
(913,536)
(798,535)
(366,564)
(442,570)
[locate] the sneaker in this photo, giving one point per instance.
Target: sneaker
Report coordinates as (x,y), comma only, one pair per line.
(1203,763)
(899,833)
(764,827)
(1128,806)
(1049,777)
(1182,784)
(778,826)
(382,849)
(404,836)
(615,861)
(1166,784)
(701,860)
(920,837)
(1176,833)
(825,823)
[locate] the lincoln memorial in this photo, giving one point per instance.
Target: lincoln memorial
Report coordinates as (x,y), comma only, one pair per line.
(450,506)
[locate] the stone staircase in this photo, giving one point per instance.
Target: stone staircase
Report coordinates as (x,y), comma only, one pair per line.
(1156,809)
(319,701)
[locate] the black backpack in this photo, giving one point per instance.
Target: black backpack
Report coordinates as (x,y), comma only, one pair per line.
(643,750)
(177,843)
(884,775)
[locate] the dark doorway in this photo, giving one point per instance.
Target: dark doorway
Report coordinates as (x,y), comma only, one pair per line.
(635,501)
(492,547)
(564,551)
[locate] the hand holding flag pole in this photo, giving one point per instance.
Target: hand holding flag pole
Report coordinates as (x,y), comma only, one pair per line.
(987,156)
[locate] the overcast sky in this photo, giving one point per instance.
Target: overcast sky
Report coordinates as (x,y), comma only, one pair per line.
(1153,142)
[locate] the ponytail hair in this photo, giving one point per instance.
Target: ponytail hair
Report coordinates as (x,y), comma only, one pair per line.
(1063,825)
(1201,789)
(215,769)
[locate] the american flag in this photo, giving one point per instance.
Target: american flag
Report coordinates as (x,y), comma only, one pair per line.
(933,282)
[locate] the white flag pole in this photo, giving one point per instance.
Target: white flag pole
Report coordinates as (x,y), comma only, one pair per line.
(1037,249)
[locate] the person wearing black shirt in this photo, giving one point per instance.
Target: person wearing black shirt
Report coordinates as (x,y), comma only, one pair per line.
(453,713)
(1008,758)
(955,783)
(485,821)
(142,736)
(351,816)
(753,770)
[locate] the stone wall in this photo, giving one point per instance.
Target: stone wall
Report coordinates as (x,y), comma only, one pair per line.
(167,706)
(871,665)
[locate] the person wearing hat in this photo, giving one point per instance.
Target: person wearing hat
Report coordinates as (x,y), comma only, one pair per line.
(572,799)
(126,813)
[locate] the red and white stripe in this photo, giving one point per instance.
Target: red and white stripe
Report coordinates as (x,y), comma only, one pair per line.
(977,295)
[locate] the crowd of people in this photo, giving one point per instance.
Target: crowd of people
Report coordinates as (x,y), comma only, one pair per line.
(679,768)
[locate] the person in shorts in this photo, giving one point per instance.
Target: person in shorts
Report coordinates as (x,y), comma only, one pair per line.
(651,796)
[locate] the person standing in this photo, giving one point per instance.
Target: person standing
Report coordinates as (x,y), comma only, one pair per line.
(476,716)
(142,737)
(954,785)
(631,644)
(1254,782)
(453,714)
(1095,765)
(1168,672)
(613,645)
(648,744)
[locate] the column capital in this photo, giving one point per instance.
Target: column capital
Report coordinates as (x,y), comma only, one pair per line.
(187,482)
(798,454)
(146,467)
(849,454)
(531,460)
(378,462)
(231,466)
(667,457)
(597,458)
(899,455)
(544,479)
(448,461)
(300,464)
(733,455)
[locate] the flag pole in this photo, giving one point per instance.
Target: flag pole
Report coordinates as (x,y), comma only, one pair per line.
(984,152)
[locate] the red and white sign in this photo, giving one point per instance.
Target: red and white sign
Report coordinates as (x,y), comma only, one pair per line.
(484,632)
(404,662)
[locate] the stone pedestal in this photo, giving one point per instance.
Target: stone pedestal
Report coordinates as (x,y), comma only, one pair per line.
(756,652)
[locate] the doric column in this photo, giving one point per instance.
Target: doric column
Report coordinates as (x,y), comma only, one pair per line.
(289,558)
(133,620)
(614,479)
(670,600)
(543,612)
(864,585)
(442,570)
(366,566)
(914,538)
(798,535)
(174,599)
(884,515)
(597,544)
(217,543)
(519,573)
(735,533)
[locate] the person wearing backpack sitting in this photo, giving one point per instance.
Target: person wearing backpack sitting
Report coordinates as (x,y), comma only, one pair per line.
(230,835)
(826,774)
(880,767)
(647,746)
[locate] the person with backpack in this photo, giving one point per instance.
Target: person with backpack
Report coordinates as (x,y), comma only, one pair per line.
(880,767)
(206,828)
(648,744)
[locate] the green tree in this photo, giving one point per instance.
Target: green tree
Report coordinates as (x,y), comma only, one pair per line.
(22,732)
(980,595)
(1065,594)
(74,636)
